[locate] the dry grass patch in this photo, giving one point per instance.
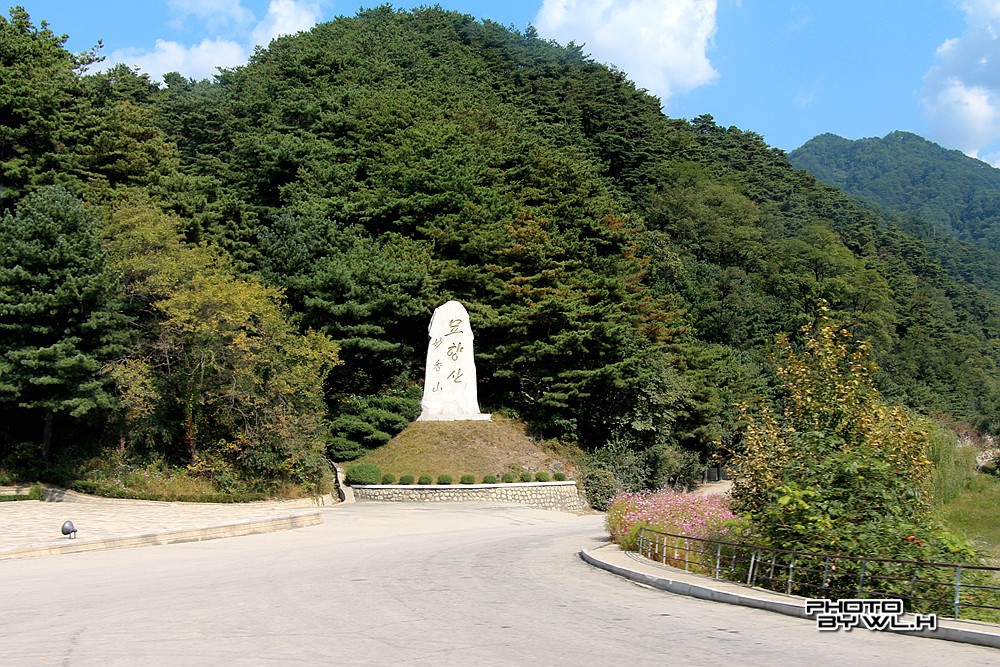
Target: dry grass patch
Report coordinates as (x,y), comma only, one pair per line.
(469,447)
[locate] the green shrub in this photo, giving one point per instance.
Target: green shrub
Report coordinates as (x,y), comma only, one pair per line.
(468,479)
(364,473)
(600,486)
(559,477)
(36,492)
(526,476)
(675,468)
(109,491)
(507,478)
(445,479)
(367,422)
(406,480)
(388,478)
(425,479)
(954,465)
(489,479)
(542,476)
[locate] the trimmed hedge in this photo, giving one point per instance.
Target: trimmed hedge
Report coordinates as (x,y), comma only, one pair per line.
(542,476)
(559,477)
(425,479)
(507,478)
(388,478)
(467,479)
(406,480)
(106,491)
(445,479)
(489,479)
(364,473)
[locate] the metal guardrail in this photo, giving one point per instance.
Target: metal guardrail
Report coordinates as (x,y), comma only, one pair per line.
(946,589)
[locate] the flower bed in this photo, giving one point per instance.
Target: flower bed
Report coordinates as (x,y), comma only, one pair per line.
(666,510)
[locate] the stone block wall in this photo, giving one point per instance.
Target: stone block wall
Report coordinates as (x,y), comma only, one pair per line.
(562,496)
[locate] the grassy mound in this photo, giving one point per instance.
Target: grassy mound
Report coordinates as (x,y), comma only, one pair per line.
(468,448)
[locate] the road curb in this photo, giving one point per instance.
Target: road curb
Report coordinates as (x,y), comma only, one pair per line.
(213,532)
(612,559)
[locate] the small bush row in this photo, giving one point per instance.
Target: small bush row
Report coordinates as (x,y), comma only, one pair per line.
(13,498)
(368,473)
(109,491)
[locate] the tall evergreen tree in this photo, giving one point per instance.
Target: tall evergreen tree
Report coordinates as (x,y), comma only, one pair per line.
(59,321)
(39,81)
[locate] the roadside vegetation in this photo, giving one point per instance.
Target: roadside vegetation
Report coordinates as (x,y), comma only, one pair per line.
(973,515)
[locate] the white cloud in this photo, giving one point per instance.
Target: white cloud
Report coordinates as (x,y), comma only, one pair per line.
(962,116)
(961,92)
(231,48)
(660,45)
(196,62)
(805,98)
(215,14)
(286,17)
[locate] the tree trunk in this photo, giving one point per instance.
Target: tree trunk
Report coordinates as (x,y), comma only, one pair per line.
(47,436)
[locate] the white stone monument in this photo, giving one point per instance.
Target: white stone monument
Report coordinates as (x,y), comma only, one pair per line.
(450,378)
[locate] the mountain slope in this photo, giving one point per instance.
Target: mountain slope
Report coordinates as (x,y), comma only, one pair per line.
(951,192)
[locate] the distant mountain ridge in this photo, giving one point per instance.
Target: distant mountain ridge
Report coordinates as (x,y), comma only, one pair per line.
(950,192)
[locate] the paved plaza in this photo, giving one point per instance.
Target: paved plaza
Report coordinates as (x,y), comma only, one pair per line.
(33,528)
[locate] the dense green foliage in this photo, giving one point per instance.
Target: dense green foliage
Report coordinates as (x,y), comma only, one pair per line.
(829,467)
(59,319)
(278,238)
(363,473)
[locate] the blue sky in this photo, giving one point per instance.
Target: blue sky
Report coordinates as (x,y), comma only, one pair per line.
(788,70)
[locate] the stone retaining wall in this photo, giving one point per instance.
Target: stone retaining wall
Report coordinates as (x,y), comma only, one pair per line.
(562,496)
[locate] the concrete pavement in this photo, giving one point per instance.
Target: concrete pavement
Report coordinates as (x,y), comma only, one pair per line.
(32,528)
(403,583)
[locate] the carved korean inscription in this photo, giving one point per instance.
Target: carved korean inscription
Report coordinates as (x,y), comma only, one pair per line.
(450,378)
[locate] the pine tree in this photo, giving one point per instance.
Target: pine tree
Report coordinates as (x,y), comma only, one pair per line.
(58,318)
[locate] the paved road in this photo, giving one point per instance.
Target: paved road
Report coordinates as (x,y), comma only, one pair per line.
(414,584)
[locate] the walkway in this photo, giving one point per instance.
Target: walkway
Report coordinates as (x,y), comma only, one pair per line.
(33,528)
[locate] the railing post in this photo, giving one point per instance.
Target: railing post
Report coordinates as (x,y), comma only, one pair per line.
(753,562)
(791,569)
(687,554)
(718,558)
(663,552)
(958,589)
(826,573)
(861,577)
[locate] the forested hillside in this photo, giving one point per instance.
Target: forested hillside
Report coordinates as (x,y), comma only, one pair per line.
(943,197)
(951,192)
(254,259)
